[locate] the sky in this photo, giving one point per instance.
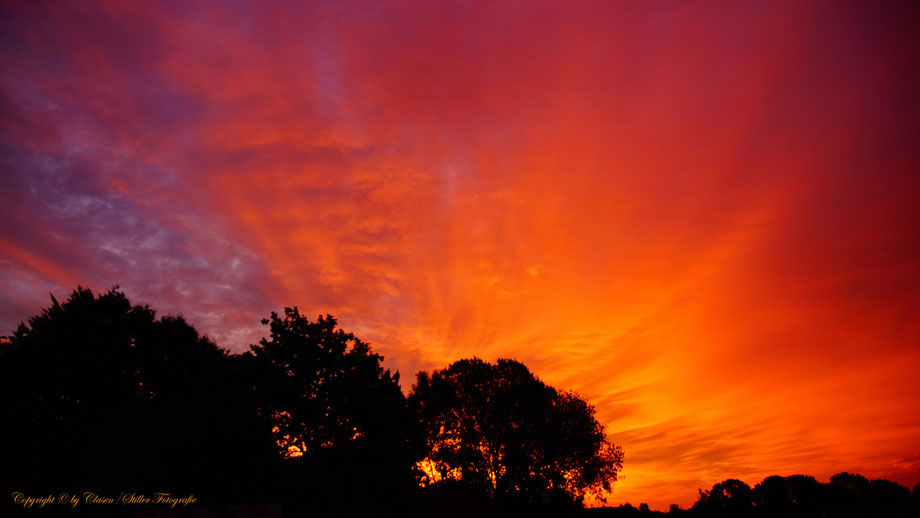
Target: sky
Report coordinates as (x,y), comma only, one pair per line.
(701,216)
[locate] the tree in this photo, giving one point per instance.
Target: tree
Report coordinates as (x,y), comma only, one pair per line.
(336,414)
(881,490)
(732,497)
(502,433)
(781,494)
(855,485)
(99,393)
(773,494)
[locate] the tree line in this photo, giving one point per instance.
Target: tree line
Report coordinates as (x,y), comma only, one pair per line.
(846,495)
(102,395)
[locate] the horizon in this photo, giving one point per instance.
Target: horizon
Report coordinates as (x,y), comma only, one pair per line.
(702,218)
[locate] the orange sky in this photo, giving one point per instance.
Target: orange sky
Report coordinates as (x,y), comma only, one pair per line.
(701,216)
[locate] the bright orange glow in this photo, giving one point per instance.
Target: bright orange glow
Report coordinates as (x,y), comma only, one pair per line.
(288,446)
(701,217)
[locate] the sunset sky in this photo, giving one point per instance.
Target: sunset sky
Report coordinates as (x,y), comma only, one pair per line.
(703,217)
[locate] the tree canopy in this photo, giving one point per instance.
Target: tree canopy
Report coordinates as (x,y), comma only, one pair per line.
(325,388)
(801,495)
(501,432)
(101,393)
(98,393)
(337,416)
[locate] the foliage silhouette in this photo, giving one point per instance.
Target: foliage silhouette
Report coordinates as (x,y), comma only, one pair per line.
(856,486)
(101,395)
(731,496)
(336,414)
(502,433)
(783,494)
(847,495)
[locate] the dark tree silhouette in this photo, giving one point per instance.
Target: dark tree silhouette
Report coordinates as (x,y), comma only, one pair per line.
(853,484)
(773,494)
(100,394)
(338,416)
(847,495)
(783,494)
(502,433)
(732,497)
